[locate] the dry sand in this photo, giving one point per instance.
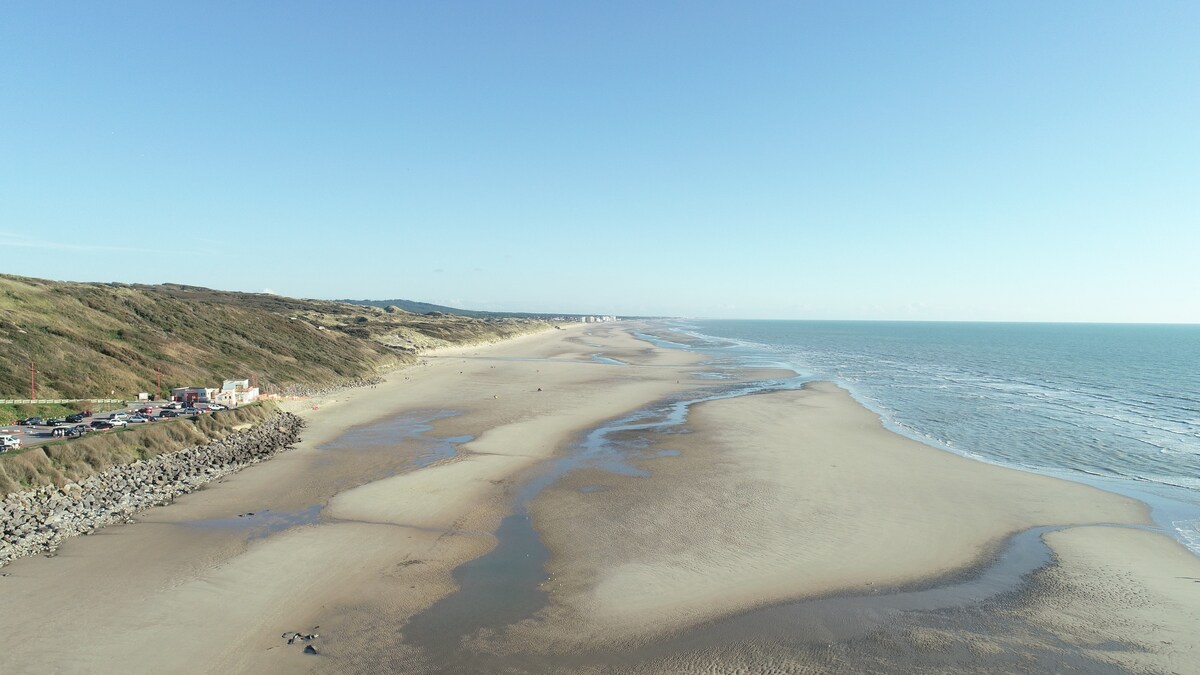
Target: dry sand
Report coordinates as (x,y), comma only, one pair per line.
(771,498)
(1127,597)
(168,595)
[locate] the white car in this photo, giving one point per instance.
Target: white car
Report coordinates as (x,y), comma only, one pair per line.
(118,421)
(9,442)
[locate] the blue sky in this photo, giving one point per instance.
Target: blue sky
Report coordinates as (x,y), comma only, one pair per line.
(954,160)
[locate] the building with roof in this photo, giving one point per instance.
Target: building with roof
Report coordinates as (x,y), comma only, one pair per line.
(237,392)
(194,394)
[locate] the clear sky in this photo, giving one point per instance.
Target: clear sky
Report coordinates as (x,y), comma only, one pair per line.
(858,160)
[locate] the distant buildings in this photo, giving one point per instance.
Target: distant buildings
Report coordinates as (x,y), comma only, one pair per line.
(231,394)
(584,318)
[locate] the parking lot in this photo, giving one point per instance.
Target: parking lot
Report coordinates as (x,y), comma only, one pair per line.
(33,436)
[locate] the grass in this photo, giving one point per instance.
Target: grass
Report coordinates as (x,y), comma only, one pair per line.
(112,340)
(95,341)
(11,412)
(74,460)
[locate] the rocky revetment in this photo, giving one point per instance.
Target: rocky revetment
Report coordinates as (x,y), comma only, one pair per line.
(36,521)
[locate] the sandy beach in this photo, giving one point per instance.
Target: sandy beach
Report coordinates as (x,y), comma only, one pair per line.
(759,503)
(188,588)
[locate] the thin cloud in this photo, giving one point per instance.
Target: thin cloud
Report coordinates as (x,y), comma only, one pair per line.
(12,240)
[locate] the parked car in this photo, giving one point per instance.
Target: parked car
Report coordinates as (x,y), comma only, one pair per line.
(167,414)
(55,421)
(80,429)
(76,418)
(118,416)
(117,422)
(31,422)
(9,442)
(60,432)
(101,424)
(138,419)
(217,406)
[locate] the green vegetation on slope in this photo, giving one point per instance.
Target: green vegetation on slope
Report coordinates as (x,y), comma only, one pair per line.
(11,412)
(74,460)
(415,307)
(91,340)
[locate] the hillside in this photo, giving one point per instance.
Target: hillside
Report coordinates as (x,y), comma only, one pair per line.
(74,460)
(415,307)
(93,340)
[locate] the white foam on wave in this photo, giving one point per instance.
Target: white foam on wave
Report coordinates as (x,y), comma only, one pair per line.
(1073,430)
(1188,533)
(1187,482)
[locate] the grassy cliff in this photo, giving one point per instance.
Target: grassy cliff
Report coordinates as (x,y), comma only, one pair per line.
(74,460)
(92,340)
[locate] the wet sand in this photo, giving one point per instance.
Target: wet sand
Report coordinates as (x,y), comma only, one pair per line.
(175,592)
(799,535)
(532,507)
(787,495)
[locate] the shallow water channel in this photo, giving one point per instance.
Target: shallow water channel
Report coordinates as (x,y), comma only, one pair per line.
(504,586)
(376,444)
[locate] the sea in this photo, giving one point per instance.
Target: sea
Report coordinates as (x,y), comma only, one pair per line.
(1116,406)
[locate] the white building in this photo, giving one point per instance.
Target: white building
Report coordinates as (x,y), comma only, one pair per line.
(194,394)
(237,392)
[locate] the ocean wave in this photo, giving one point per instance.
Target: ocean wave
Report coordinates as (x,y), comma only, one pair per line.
(1188,533)
(1040,405)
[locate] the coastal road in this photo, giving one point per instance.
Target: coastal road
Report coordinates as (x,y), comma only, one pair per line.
(33,436)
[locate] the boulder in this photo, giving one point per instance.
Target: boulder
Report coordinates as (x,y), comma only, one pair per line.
(36,521)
